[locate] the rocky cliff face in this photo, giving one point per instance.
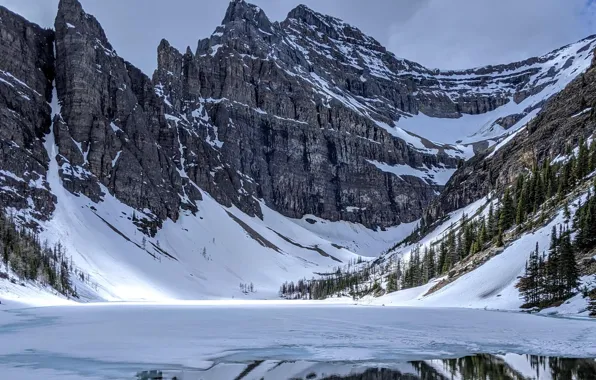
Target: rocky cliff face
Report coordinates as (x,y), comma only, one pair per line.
(111,132)
(299,114)
(26,75)
(282,131)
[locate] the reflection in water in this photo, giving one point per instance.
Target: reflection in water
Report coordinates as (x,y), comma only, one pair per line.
(478,367)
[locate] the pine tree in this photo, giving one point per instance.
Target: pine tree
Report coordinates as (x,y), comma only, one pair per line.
(451,251)
(583,160)
(499,240)
(519,186)
(491,226)
(568,266)
(529,283)
(592,164)
(459,251)
(507,216)
(550,179)
(538,191)
(566,212)
(552,267)
(442,261)
(592,305)
(520,217)
(430,264)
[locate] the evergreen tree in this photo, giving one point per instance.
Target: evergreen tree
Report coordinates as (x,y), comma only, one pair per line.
(499,240)
(583,160)
(460,249)
(592,165)
(430,264)
(592,305)
(491,227)
(507,216)
(442,261)
(568,266)
(529,283)
(539,192)
(521,209)
(552,267)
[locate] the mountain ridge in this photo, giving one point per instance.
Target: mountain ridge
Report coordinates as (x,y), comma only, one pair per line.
(307,131)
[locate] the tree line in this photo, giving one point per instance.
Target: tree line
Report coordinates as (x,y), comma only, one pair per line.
(28,258)
(352,280)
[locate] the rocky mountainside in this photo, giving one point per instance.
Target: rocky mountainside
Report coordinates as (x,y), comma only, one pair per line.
(304,136)
(26,75)
(300,114)
(567,119)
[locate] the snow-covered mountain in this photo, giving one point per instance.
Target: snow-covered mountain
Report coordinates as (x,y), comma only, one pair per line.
(273,151)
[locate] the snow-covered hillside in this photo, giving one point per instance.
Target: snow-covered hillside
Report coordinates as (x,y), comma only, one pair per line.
(207,255)
(547,76)
(492,285)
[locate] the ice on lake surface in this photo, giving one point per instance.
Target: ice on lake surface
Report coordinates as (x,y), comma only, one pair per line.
(223,341)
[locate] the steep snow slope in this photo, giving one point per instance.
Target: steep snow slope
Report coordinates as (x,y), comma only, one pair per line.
(549,75)
(204,255)
(493,284)
(207,255)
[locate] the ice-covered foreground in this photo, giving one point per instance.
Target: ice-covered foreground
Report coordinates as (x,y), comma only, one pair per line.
(115,341)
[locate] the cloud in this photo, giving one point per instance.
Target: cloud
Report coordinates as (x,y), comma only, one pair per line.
(469,33)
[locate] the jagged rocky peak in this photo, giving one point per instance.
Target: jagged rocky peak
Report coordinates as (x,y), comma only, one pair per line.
(331,27)
(243,12)
(169,57)
(71,17)
(26,45)
(112,133)
(245,29)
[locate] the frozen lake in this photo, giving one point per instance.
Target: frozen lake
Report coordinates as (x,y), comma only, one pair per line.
(118,341)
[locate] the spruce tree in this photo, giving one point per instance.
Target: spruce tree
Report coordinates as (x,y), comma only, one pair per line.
(539,192)
(592,304)
(592,165)
(552,267)
(583,160)
(520,217)
(529,283)
(491,225)
(442,261)
(430,264)
(507,216)
(499,240)
(460,249)
(568,266)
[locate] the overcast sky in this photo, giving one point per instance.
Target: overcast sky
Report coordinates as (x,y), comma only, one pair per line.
(437,33)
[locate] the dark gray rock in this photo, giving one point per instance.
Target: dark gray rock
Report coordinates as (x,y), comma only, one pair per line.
(293,114)
(112,130)
(26,75)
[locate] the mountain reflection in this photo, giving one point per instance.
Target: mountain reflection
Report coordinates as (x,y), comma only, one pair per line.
(478,367)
